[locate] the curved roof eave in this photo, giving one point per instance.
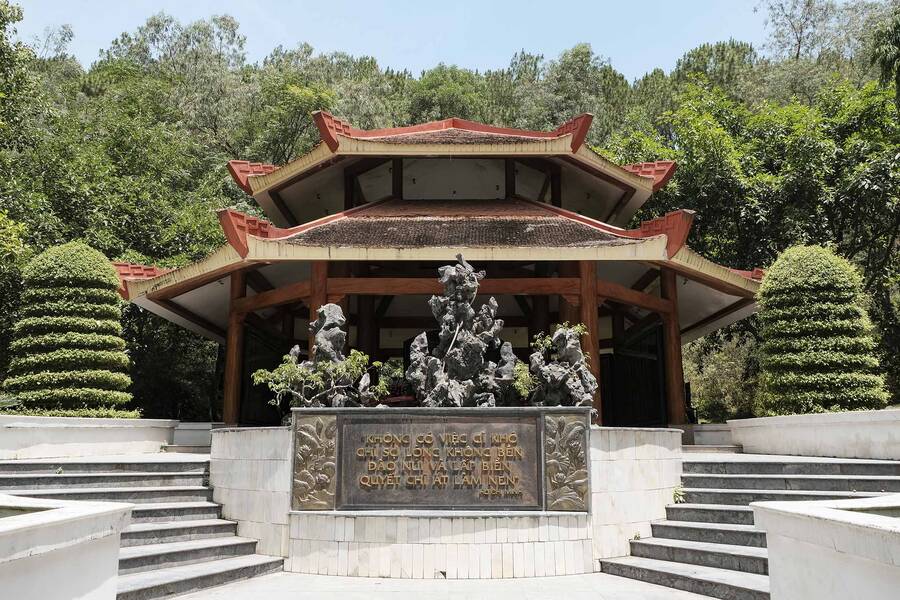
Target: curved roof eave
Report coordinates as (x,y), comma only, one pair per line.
(694,266)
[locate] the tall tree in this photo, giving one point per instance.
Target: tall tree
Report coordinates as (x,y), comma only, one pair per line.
(886,53)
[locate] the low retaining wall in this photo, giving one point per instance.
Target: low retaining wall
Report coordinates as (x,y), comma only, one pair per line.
(707,434)
(58,437)
(250,473)
(440,544)
(58,550)
(863,434)
(634,473)
(832,549)
(195,434)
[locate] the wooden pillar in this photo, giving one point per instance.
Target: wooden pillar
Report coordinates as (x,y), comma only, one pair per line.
(556,187)
(510,179)
(397,178)
(287,323)
(366,331)
(318,293)
(674,369)
(618,328)
(234,352)
(540,306)
(568,307)
(590,341)
(349,190)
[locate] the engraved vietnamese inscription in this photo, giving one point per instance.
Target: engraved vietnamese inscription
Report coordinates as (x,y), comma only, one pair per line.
(449,462)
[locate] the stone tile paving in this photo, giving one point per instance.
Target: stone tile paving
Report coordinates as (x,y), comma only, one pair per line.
(293,586)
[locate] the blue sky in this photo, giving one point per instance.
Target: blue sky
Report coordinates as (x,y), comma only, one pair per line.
(636,35)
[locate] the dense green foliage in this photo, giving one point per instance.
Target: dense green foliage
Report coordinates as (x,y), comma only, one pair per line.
(795,142)
(314,383)
(68,349)
(818,351)
(722,370)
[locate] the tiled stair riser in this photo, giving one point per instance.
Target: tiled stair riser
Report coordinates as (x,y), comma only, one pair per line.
(457,547)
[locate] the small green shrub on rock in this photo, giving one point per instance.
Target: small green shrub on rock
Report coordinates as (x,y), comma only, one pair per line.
(818,353)
(68,353)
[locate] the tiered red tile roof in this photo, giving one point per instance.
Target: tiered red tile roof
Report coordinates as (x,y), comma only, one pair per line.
(449,132)
(474,223)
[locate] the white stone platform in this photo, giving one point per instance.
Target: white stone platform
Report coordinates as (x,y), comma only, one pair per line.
(293,586)
(440,544)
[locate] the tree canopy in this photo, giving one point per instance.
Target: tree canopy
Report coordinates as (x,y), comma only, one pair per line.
(795,142)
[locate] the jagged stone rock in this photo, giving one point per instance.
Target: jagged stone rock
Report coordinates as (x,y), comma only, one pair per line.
(564,379)
(297,382)
(456,372)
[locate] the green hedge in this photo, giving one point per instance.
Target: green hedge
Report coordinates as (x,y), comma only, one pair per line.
(818,353)
(68,294)
(57,325)
(83,412)
(73,340)
(69,355)
(71,309)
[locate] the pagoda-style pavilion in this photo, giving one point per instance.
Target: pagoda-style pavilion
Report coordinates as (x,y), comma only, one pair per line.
(366,217)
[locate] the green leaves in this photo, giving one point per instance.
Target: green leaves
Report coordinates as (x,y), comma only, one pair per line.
(68,351)
(817,348)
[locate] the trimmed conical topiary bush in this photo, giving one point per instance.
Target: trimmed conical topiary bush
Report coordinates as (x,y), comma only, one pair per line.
(818,353)
(68,353)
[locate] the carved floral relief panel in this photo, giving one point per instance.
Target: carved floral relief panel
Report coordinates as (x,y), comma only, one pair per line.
(315,462)
(565,462)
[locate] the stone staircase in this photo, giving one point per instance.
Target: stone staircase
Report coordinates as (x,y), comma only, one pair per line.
(176,542)
(708,544)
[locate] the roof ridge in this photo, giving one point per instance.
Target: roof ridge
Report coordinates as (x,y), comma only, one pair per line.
(330,127)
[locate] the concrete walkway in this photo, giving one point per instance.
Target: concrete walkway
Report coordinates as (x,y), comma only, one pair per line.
(295,586)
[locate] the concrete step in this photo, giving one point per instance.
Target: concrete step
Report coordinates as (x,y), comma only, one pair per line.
(824,483)
(175,511)
(140,534)
(787,466)
(712,449)
(163,583)
(712,533)
(108,479)
(707,581)
(75,465)
(186,449)
(745,497)
(137,559)
(721,556)
(137,495)
(710,513)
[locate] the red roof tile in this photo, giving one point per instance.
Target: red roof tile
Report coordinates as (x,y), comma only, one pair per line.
(237,226)
(660,171)
(242,170)
(756,274)
(133,272)
(676,225)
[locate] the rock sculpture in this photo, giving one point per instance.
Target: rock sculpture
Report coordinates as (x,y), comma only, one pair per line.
(330,378)
(456,372)
(562,378)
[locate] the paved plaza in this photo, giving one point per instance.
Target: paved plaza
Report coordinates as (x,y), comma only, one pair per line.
(293,586)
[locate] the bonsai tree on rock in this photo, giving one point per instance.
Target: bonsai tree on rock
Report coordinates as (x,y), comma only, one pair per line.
(818,353)
(330,378)
(69,355)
